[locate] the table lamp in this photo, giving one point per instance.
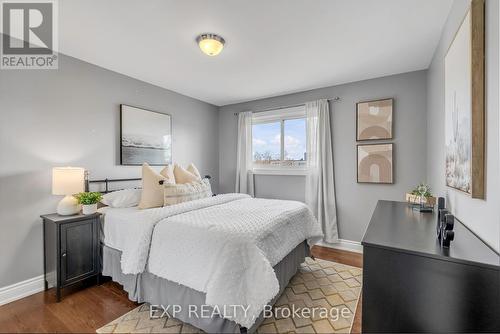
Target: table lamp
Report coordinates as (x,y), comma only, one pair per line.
(67,181)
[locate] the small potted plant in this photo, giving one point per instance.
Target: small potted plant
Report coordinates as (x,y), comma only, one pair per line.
(89,201)
(421,195)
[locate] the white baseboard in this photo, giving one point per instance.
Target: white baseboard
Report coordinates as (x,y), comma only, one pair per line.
(22,289)
(343,244)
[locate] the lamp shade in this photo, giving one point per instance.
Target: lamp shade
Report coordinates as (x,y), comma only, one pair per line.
(67,180)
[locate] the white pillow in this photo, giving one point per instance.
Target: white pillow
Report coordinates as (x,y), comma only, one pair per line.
(122,198)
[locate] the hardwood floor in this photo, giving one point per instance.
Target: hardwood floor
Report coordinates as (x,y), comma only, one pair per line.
(336,255)
(89,308)
(82,311)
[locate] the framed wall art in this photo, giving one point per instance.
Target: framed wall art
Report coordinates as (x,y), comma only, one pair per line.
(145,136)
(375,163)
(464,105)
(374,120)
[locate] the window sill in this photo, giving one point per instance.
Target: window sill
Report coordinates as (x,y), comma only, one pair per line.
(282,171)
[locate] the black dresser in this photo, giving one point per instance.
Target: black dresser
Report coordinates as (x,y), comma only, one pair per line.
(411,284)
(71,249)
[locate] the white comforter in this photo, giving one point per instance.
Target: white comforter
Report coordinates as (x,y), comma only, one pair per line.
(228,249)
(139,226)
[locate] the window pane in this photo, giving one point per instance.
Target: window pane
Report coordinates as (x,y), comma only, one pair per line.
(266,143)
(295,141)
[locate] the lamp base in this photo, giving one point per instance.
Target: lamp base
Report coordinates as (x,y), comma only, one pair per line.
(68,206)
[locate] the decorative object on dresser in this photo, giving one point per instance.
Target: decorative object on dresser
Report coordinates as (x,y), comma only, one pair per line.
(421,197)
(146,136)
(71,250)
(374,120)
(464,105)
(441,211)
(447,234)
(67,181)
(445,224)
(451,290)
(375,163)
(88,201)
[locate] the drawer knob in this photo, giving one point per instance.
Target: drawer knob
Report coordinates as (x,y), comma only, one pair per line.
(64,255)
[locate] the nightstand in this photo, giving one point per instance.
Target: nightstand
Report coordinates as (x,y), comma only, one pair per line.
(71,249)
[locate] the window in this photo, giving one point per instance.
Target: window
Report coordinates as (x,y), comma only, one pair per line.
(279,139)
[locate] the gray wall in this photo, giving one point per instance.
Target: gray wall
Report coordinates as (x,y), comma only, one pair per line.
(70,116)
(355,202)
(481,216)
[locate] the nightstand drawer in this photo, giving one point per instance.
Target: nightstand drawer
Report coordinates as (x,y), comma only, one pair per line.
(79,246)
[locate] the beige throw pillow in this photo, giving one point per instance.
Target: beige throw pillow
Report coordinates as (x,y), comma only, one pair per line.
(179,193)
(183,176)
(193,170)
(168,173)
(152,190)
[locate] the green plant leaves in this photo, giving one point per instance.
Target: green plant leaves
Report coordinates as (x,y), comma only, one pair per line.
(87,198)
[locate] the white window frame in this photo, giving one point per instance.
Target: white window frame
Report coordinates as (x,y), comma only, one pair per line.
(274,116)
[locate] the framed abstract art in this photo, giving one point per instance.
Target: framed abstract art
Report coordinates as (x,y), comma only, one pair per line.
(375,163)
(464,105)
(374,120)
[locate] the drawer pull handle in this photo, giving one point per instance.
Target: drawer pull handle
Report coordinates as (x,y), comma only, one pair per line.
(64,255)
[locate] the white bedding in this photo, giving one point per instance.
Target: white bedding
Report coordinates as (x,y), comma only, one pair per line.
(130,231)
(118,223)
(228,251)
(225,246)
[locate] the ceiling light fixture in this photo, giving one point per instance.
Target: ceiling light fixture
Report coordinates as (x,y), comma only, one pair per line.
(210,44)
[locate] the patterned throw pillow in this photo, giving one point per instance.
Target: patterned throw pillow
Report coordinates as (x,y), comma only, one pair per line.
(179,193)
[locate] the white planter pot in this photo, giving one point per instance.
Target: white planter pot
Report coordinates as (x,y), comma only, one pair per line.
(89,209)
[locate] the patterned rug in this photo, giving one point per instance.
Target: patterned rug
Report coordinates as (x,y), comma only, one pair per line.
(318,285)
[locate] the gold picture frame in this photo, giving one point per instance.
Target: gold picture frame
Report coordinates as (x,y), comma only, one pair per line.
(464,105)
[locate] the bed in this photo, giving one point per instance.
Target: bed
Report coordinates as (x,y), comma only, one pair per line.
(229,254)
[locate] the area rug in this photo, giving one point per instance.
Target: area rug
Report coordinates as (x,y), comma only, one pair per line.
(319,284)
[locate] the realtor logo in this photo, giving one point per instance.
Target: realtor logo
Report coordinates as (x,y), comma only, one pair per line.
(29,34)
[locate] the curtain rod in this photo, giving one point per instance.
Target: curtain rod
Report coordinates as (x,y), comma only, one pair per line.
(334,99)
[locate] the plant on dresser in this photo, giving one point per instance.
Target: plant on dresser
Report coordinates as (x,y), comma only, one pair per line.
(89,201)
(421,194)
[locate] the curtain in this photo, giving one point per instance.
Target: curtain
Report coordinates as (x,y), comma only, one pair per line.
(320,187)
(244,175)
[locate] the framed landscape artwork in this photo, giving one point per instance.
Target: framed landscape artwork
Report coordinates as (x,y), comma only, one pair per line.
(146,136)
(374,120)
(375,163)
(464,105)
